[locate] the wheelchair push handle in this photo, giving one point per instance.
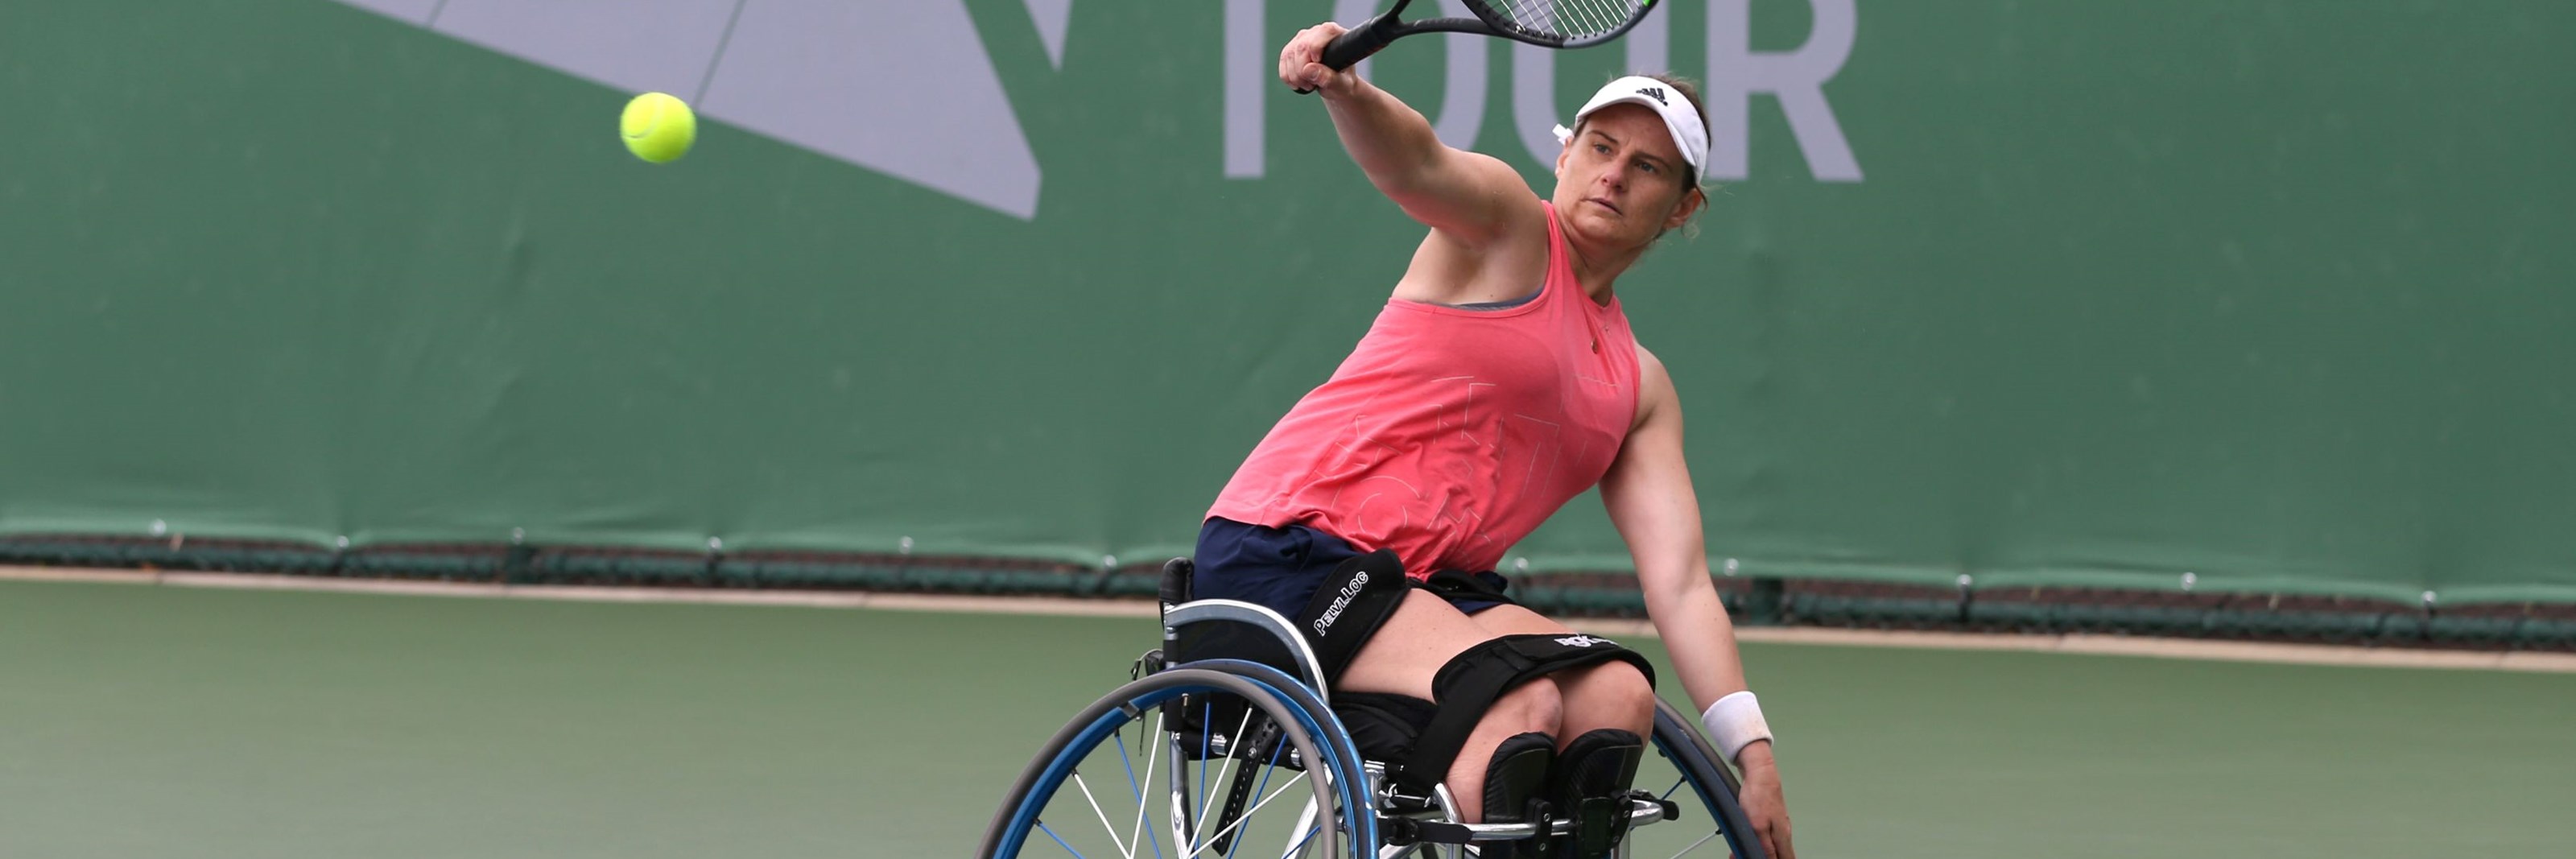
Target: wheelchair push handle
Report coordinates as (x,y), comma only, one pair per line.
(1175,587)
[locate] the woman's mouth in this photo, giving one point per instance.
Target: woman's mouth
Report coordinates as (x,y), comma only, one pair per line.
(1605,203)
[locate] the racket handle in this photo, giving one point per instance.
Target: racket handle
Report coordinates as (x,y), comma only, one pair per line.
(1359,42)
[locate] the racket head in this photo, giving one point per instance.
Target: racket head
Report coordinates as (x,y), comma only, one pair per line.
(1546,23)
(1560,23)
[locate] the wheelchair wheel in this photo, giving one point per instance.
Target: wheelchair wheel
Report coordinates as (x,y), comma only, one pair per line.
(1686,770)
(1152,770)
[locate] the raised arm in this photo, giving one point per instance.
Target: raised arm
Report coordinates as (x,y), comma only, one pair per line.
(1472,198)
(1649,496)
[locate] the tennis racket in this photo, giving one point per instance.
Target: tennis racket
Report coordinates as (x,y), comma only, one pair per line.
(1545,23)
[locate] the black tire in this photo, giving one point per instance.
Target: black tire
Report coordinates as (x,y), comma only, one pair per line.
(1678,740)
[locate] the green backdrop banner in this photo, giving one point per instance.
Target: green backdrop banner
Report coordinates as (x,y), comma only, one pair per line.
(2272,293)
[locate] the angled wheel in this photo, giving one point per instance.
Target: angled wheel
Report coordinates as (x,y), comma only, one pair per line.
(1686,770)
(1150,770)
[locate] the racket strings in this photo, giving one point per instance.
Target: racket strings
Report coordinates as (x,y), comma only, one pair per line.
(1572,19)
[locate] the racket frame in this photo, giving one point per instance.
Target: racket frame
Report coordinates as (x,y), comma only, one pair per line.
(1359,42)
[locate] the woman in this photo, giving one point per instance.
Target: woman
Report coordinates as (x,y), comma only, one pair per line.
(1499,382)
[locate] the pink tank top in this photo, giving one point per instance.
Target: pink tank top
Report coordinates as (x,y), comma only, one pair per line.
(1449,434)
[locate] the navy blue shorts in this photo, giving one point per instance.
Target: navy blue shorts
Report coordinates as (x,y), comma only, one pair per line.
(1281,568)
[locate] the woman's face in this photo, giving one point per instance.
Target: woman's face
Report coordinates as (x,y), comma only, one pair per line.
(1620,181)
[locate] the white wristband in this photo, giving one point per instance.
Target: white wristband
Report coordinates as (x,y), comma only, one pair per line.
(1734,722)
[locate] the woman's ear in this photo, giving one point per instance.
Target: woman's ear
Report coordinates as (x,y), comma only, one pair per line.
(1693,198)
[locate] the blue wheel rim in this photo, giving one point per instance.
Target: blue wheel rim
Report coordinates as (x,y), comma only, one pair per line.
(1351,789)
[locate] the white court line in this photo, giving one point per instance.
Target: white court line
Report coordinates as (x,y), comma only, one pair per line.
(2082,643)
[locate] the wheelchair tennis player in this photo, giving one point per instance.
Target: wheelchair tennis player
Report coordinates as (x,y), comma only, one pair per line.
(1500,381)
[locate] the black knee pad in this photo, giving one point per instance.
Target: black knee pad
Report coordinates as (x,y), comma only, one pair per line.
(1468,684)
(1590,787)
(1516,785)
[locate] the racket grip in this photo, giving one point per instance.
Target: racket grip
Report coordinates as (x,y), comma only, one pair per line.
(1359,42)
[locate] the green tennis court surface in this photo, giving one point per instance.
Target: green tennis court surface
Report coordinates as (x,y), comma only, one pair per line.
(143,721)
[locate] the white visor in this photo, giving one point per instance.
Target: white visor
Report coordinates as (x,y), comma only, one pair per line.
(1681,117)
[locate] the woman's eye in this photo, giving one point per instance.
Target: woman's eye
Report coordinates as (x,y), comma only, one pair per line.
(1646,166)
(1600,148)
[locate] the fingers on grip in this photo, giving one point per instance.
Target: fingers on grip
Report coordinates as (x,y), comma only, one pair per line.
(1301,61)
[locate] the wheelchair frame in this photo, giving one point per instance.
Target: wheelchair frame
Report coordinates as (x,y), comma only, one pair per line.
(1376,816)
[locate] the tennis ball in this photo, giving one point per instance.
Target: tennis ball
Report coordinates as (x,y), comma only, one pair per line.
(658,127)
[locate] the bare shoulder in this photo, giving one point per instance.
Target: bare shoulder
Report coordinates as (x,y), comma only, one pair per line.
(1655,393)
(1650,369)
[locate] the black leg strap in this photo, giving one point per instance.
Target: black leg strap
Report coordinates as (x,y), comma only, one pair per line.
(1454,585)
(1467,686)
(1355,600)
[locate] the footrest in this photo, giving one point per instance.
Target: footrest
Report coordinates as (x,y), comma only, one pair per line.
(1643,808)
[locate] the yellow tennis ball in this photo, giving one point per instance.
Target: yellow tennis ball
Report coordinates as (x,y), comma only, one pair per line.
(658,127)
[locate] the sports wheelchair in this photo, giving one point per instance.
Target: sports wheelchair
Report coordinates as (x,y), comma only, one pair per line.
(1227,757)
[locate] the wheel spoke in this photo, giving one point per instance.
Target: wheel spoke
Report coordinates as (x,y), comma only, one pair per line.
(1294,849)
(1247,815)
(1133,789)
(1695,845)
(1305,819)
(1059,840)
(1244,835)
(1043,796)
(1105,827)
(1207,792)
(1178,789)
(1198,813)
(1123,760)
(1151,751)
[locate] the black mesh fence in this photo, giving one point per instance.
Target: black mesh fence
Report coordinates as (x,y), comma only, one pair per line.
(1750,600)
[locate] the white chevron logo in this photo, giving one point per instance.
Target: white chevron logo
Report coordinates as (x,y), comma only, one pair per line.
(838,77)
